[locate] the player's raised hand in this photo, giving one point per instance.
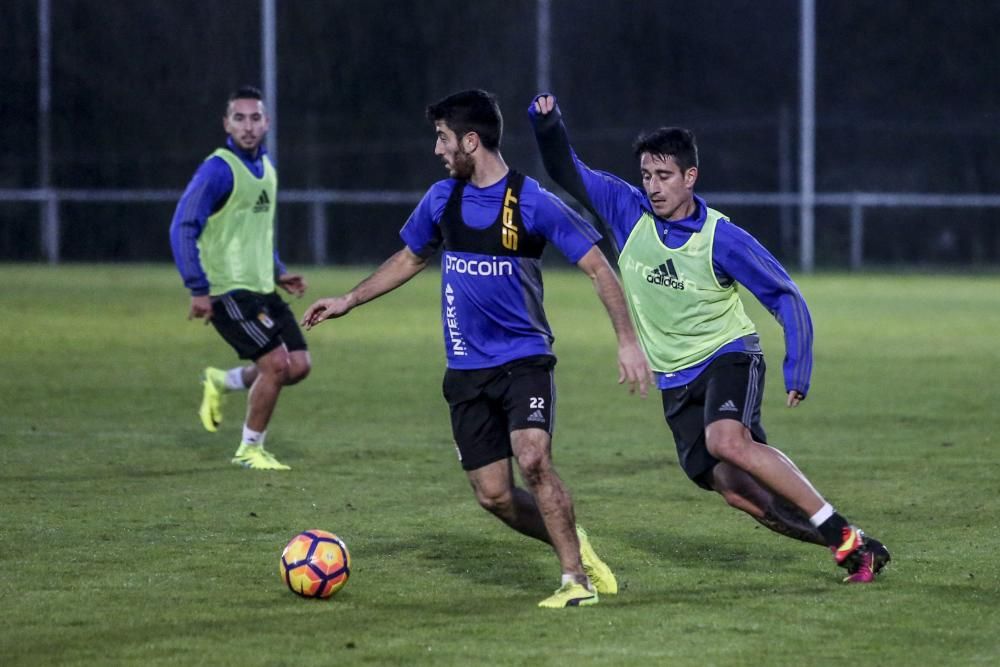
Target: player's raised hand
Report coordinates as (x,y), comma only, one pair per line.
(634,369)
(326,309)
(293,283)
(544,104)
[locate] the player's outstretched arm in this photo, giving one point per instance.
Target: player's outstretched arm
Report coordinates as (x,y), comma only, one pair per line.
(743,259)
(395,271)
(632,365)
(614,202)
(557,154)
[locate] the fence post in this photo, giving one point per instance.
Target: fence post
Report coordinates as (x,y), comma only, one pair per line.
(807,130)
(50,236)
(857,233)
(269,71)
(318,231)
(48,214)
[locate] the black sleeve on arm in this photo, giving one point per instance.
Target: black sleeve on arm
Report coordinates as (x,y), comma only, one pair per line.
(557,156)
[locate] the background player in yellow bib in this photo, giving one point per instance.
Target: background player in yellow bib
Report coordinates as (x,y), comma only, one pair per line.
(222,237)
(680,263)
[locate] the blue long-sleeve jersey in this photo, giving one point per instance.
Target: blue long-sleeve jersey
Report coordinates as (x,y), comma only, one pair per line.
(206,194)
(737,255)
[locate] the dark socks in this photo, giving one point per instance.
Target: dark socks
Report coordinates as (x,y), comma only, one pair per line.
(832,529)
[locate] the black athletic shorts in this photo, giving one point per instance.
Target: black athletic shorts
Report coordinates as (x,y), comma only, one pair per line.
(487,404)
(731,387)
(254,323)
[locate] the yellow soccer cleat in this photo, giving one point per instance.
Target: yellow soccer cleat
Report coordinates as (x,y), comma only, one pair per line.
(256,457)
(600,575)
(570,594)
(214,382)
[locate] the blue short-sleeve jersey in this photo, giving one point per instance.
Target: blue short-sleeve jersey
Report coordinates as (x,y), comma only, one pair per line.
(491,294)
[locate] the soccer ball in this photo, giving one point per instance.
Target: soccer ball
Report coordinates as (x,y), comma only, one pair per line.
(315,564)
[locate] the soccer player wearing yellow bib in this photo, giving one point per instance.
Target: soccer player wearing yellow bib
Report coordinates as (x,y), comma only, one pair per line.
(680,263)
(222,237)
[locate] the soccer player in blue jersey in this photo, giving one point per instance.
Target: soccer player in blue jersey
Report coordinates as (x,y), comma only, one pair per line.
(222,237)
(492,224)
(681,262)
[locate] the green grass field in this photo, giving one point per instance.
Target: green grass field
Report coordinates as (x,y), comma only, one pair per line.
(126,537)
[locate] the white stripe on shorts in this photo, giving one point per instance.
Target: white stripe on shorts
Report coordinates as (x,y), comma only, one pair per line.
(753,382)
(250,328)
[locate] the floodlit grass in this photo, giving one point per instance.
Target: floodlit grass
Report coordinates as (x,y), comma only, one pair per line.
(126,537)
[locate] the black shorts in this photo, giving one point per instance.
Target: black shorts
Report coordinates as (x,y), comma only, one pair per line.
(487,404)
(254,324)
(731,387)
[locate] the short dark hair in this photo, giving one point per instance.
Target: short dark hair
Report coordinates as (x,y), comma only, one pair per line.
(675,142)
(471,111)
(243,93)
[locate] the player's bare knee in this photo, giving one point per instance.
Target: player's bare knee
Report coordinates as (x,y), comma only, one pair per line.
(732,498)
(498,503)
(299,366)
(727,447)
(274,372)
(531,449)
(281,374)
(531,458)
(741,502)
(535,465)
(297,373)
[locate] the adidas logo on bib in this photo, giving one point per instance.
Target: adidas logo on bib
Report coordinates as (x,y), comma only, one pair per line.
(263,202)
(665,274)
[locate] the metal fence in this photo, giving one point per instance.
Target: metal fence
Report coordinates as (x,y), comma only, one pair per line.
(319,201)
(539,43)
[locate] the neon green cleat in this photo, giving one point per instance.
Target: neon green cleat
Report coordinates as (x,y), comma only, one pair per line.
(570,594)
(600,575)
(214,382)
(256,457)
